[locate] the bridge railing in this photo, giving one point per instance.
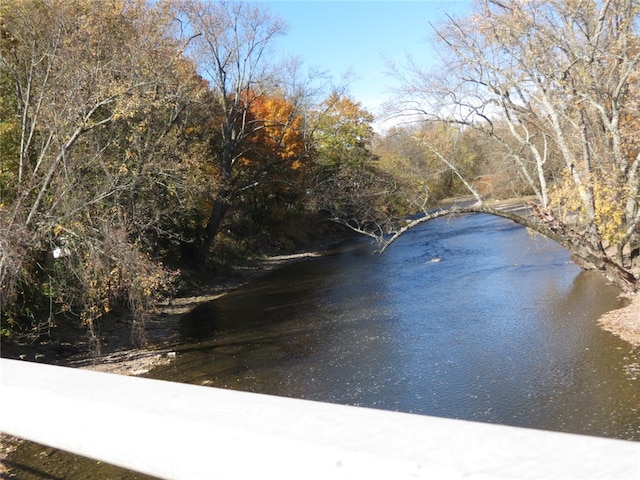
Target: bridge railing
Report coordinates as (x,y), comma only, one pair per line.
(178,431)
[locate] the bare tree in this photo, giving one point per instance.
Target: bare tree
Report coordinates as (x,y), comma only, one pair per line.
(550,82)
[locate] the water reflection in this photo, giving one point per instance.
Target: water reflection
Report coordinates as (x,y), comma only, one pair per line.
(502,329)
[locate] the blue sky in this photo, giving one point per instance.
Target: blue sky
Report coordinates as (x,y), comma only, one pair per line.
(340,36)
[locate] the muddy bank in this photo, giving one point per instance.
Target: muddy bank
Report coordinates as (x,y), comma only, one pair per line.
(162,328)
(68,345)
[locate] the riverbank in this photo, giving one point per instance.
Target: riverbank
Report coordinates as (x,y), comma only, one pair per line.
(162,331)
(67,345)
(162,328)
(624,322)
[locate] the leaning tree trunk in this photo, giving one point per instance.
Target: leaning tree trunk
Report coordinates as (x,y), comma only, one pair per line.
(584,254)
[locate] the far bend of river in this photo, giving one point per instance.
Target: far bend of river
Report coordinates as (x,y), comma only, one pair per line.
(501,330)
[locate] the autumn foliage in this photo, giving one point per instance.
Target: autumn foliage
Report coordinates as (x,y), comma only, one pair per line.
(129,143)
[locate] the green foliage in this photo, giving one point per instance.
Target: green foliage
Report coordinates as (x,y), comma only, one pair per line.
(342,134)
(348,182)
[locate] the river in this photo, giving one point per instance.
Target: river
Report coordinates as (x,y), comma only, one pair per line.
(472,318)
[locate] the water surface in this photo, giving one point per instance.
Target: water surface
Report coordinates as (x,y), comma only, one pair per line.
(470,318)
(501,329)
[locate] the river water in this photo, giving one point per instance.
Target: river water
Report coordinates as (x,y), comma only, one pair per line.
(471,318)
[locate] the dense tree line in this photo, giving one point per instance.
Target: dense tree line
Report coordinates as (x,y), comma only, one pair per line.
(135,133)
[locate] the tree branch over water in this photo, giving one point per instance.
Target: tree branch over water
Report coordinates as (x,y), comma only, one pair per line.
(554,90)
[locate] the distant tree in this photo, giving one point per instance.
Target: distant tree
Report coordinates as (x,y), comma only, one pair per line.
(553,85)
(348,183)
(413,155)
(342,133)
(406,160)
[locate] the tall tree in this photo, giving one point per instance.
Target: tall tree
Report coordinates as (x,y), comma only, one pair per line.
(559,74)
(276,161)
(233,49)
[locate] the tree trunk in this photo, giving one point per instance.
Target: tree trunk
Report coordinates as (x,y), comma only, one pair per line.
(203,246)
(584,255)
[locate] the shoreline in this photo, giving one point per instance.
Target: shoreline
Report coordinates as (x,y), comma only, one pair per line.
(624,322)
(119,355)
(162,329)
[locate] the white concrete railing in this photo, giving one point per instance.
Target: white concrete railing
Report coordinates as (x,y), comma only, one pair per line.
(175,431)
